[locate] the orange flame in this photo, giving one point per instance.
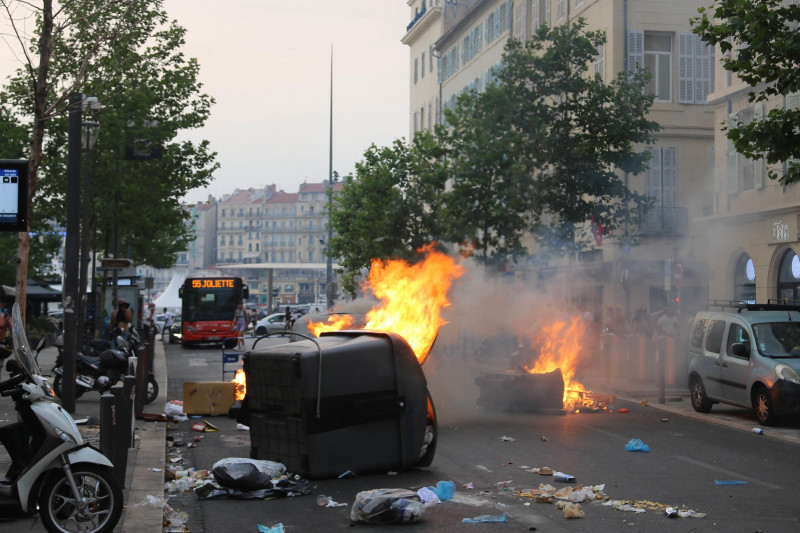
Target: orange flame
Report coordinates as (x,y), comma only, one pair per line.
(412,297)
(334,323)
(239,384)
(559,344)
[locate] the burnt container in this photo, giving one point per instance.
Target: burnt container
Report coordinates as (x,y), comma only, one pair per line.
(364,406)
(521,391)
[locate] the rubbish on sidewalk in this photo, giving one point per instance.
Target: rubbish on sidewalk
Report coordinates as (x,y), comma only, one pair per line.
(386,506)
(277,528)
(469,486)
(426,495)
(641,506)
(665,419)
(671,512)
(636,445)
(282,487)
(152,417)
(242,427)
(347,474)
(173,408)
(174,520)
(729,482)
(644,403)
(484,518)
(623,411)
(88,421)
(507,439)
(758,431)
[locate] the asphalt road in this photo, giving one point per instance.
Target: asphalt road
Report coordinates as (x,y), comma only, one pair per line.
(687,456)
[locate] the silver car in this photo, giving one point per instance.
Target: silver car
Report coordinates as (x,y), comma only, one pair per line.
(747,355)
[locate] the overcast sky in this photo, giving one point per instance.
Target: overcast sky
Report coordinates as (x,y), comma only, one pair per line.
(267,64)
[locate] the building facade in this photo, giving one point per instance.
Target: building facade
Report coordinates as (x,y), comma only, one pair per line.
(655,35)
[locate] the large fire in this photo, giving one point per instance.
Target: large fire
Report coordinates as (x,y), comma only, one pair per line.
(334,323)
(412,298)
(559,345)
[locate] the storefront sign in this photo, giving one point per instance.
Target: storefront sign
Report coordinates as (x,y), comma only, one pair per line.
(782,229)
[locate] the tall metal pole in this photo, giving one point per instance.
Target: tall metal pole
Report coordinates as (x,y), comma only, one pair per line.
(329,292)
(71,252)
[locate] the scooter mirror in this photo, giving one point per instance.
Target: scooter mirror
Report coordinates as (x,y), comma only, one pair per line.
(13,367)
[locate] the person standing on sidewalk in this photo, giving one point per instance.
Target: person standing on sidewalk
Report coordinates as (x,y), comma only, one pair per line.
(167,323)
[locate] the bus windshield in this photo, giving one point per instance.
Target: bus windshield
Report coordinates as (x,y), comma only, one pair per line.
(203,303)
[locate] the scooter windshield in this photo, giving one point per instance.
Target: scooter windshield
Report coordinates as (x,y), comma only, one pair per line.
(22,351)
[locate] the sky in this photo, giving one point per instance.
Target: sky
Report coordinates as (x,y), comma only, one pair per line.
(267,63)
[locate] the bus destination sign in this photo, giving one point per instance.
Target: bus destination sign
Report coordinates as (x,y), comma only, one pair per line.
(211,283)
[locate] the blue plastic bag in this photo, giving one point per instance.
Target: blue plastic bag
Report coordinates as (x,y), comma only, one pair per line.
(636,445)
(485,518)
(444,490)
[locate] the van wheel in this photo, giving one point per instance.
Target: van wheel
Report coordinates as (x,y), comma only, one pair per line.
(762,405)
(700,401)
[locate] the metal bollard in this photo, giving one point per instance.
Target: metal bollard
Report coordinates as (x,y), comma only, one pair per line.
(120,457)
(128,391)
(107,412)
(141,382)
(150,348)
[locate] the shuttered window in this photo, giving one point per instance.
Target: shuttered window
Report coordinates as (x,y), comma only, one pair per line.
(695,67)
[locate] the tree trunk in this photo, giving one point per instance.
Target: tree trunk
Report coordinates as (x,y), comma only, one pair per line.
(37,140)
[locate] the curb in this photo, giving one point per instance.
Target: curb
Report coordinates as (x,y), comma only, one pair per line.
(149,454)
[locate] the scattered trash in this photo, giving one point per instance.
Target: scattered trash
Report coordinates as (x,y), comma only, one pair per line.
(174,521)
(156,469)
(671,512)
(327,501)
(561,476)
(205,425)
(347,474)
(173,408)
(502,484)
(545,471)
(469,486)
(277,528)
(571,510)
(729,482)
(242,427)
(621,506)
(426,495)
(636,445)
(641,506)
(444,490)
(391,473)
(484,468)
(665,419)
(241,476)
(386,506)
(270,468)
(283,487)
(543,438)
(644,403)
(758,431)
(623,411)
(485,518)
(507,439)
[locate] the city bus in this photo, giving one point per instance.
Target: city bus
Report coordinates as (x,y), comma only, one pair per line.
(208,306)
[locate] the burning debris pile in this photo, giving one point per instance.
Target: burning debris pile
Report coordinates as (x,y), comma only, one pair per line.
(544,373)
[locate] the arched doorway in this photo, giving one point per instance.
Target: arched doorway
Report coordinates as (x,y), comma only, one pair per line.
(745,280)
(789,277)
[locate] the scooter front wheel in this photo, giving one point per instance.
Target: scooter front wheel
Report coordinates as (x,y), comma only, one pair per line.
(101,494)
(57,388)
(152,389)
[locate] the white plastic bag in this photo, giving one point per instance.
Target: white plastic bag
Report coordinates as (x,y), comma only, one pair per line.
(270,468)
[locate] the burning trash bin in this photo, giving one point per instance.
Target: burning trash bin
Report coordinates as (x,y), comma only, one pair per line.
(350,400)
(516,391)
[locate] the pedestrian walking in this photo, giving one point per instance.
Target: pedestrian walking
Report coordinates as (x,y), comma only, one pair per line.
(167,323)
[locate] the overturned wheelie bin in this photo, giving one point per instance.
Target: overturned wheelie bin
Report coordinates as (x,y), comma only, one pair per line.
(347,401)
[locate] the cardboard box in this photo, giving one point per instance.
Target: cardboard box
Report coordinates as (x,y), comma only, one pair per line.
(208,398)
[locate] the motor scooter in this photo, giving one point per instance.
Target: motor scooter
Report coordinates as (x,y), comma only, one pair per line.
(53,472)
(101,372)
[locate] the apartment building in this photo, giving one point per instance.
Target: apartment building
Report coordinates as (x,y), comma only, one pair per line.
(653,34)
(752,226)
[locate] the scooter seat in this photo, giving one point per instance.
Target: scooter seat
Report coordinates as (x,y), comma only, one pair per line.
(100,344)
(89,359)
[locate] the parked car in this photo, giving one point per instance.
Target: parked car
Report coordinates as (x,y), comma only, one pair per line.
(747,355)
(271,324)
(160,320)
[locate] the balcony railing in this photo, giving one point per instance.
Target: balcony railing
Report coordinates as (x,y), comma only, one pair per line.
(664,221)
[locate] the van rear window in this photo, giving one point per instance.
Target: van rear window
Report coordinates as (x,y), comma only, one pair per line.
(697,332)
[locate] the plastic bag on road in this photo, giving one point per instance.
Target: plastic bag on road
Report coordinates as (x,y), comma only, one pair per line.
(270,468)
(485,518)
(386,506)
(636,445)
(241,476)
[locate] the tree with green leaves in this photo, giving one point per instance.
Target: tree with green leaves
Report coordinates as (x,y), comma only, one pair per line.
(760,43)
(128,54)
(390,207)
(542,149)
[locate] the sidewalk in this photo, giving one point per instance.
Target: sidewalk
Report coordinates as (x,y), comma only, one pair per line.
(142,480)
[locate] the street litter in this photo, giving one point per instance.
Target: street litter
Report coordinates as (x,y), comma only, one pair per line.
(327,501)
(241,476)
(278,488)
(426,496)
(641,506)
(571,510)
(174,409)
(242,427)
(205,425)
(469,486)
(156,469)
(485,518)
(636,445)
(729,482)
(270,468)
(277,528)
(623,411)
(561,476)
(758,431)
(444,490)
(507,439)
(386,506)
(347,474)
(174,521)
(671,512)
